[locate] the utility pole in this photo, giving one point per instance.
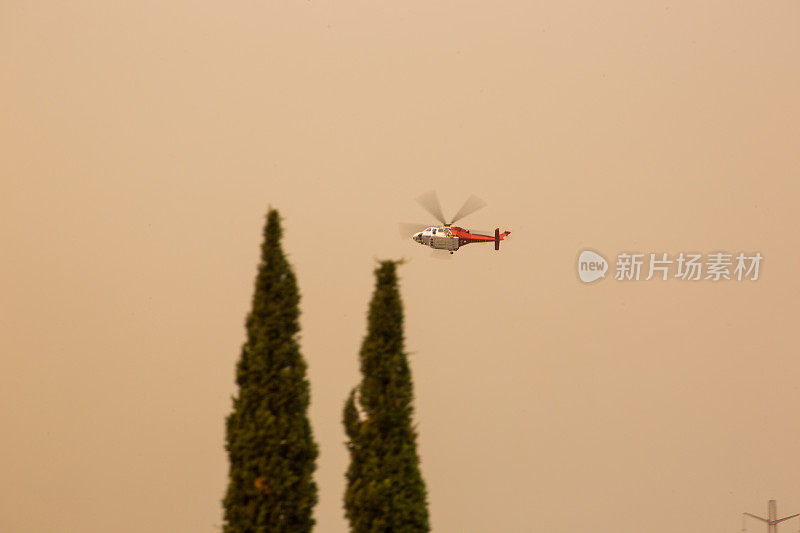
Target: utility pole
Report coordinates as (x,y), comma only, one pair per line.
(772,514)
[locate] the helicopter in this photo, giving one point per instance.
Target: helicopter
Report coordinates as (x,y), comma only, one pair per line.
(448,237)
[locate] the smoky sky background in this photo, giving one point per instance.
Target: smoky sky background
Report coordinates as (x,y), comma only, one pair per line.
(142,143)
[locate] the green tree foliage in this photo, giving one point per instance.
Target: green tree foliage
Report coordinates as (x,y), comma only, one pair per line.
(385,490)
(271,449)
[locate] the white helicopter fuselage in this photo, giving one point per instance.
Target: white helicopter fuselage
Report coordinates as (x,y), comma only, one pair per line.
(438,238)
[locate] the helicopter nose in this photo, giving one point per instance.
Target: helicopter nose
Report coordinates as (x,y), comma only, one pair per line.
(417,237)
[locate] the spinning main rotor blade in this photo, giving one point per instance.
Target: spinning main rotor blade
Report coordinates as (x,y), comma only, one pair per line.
(407,229)
(430,202)
(472,204)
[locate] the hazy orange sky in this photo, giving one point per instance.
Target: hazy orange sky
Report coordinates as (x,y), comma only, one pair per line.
(143,142)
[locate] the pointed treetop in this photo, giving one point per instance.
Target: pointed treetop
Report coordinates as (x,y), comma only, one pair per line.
(272,229)
(386,272)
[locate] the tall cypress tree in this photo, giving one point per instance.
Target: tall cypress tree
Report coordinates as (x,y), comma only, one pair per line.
(385,491)
(271,449)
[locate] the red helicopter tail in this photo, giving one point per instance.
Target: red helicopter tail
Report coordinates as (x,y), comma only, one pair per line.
(498,237)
